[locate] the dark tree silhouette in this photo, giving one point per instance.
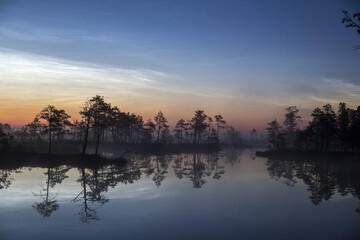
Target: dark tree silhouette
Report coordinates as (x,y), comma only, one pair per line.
(35,128)
(276,137)
(291,123)
(198,125)
(328,131)
(5,135)
(220,123)
(354,129)
(343,120)
(160,124)
(180,127)
(149,128)
(56,119)
(352,22)
(96,114)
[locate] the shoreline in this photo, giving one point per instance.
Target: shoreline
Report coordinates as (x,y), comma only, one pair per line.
(308,155)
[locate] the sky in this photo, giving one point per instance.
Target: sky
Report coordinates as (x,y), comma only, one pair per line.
(247,60)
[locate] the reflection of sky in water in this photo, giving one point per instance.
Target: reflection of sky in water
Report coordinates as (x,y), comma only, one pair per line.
(244,203)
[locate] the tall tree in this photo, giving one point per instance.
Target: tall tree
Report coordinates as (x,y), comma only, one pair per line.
(56,119)
(274,132)
(5,134)
(35,128)
(343,120)
(160,123)
(100,114)
(291,122)
(329,125)
(209,124)
(354,129)
(198,124)
(180,127)
(220,123)
(149,128)
(96,115)
(86,114)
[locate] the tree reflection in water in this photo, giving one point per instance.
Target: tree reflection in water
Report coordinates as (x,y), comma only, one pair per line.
(96,181)
(93,185)
(5,178)
(49,203)
(323,177)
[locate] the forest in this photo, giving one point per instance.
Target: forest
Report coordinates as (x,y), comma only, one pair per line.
(102,122)
(328,131)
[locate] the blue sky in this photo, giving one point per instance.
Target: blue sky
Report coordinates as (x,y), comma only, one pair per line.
(231,57)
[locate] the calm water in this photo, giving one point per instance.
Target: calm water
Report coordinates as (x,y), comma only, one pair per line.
(225,195)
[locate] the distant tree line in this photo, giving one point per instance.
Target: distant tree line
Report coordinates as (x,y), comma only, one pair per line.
(327,131)
(100,122)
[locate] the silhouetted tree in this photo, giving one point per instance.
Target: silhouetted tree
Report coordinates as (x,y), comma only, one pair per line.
(96,115)
(354,129)
(220,123)
(160,123)
(5,135)
(86,114)
(352,22)
(56,119)
(275,135)
(343,121)
(100,113)
(149,128)
(209,124)
(35,128)
(180,127)
(198,125)
(328,124)
(291,122)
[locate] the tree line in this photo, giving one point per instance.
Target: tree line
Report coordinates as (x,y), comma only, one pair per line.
(327,131)
(100,121)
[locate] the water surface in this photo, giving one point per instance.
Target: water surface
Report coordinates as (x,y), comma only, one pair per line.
(226,195)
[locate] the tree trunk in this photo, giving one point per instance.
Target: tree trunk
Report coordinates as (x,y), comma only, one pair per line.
(97,144)
(86,137)
(49,140)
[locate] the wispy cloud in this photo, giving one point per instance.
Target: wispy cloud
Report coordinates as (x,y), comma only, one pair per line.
(36,76)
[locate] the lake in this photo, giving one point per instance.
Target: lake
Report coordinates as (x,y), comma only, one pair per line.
(231,194)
